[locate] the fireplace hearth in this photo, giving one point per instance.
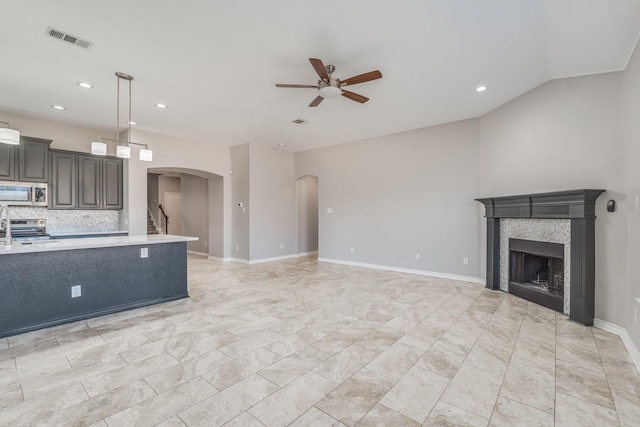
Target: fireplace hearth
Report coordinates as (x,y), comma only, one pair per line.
(536,272)
(575,210)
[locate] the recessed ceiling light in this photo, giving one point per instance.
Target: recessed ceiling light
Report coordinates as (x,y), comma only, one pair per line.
(481,88)
(281,144)
(85,85)
(58,107)
(132,123)
(161,105)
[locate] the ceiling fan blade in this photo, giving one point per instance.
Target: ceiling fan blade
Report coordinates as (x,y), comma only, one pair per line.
(316,101)
(371,75)
(354,96)
(319,67)
(297,86)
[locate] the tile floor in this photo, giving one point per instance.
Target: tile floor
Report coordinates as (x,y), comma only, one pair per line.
(302,343)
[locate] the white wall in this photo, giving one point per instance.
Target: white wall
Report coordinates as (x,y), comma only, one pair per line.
(397,196)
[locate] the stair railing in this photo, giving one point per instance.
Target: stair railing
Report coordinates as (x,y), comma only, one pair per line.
(164,220)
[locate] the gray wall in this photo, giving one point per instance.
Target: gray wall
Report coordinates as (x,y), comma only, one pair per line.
(397,196)
(564,135)
(195,212)
(272,203)
(627,293)
(240,194)
(307,214)
(216,216)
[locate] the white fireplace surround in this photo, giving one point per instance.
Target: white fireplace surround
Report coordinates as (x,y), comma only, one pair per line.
(542,230)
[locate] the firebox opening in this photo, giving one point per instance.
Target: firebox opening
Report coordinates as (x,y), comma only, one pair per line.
(536,272)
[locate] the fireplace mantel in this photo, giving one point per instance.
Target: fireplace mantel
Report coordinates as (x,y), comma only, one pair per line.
(575,205)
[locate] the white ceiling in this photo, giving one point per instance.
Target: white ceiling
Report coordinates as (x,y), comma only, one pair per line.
(215,63)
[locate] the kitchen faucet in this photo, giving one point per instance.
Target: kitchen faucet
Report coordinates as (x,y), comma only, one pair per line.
(7,224)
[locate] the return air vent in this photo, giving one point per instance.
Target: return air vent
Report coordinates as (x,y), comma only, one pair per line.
(61,35)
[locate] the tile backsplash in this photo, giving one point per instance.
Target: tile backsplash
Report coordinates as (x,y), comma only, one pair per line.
(71,221)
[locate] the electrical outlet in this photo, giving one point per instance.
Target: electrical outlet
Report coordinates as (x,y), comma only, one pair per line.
(417,256)
(352,250)
(237,248)
(281,245)
(76,291)
(465,261)
(144,252)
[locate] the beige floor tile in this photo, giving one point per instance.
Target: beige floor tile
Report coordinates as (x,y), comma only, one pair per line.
(118,377)
(202,346)
(355,397)
(171,422)
(293,400)
(155,348)
(627,406)
(381,416)
(32,409)
(245,419)
(416,393)
(101,423)
(395,361)
(316,418)
(250,343)
(4,343)
(583,383)
(446,415)
(443,358)
(107,353)
(380,339)
(509,413)
(339,340)
(531,386)
(10,395)
(474,390)
(236,370)
(539,352)
(292,343)
(163,406)
(179,374)
(346,363)
(571,412)
(97,408)
(229,403)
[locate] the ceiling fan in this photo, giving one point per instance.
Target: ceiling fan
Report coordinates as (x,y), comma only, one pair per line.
(331,87)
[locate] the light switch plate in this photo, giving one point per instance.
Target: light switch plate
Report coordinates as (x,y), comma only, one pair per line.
(76,291)
(144,252)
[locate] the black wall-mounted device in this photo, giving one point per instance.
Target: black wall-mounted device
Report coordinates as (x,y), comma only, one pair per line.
(611,205)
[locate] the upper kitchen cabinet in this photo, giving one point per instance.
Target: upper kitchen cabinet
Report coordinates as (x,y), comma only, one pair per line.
(33,159)
(8,162)
(111,183)
(63,186)
(89,182)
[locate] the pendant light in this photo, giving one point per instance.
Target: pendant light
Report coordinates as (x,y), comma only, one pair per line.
(123,149)
(9,136)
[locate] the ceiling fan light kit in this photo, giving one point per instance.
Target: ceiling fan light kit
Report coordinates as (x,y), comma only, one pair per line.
(331,87)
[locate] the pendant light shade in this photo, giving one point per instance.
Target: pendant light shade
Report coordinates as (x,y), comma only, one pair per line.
(146,155)
(123,151)
(123,148)
(9,136)
(99,148)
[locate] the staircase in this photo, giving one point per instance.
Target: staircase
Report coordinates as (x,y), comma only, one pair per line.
(151,226)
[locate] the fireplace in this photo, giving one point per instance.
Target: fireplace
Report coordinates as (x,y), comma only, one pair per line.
(536,272)
(565,218)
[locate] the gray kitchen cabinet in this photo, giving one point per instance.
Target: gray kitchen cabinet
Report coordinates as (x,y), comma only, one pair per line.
(33,159)
(111,183)
(89,182)
(83,181)
(8,162)
(63,186)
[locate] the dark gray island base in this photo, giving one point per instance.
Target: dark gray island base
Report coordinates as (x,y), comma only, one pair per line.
(36,286)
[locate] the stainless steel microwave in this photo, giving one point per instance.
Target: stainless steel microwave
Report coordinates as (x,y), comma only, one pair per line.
(23,193)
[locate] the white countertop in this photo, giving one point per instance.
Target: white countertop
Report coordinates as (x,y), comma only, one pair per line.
(87,233)
(91,242)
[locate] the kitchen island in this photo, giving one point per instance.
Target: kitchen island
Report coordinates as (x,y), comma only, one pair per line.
(60,281)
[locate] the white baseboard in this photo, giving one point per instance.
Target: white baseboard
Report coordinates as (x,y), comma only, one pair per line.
(219,259)
(260,261)
(240,260)
(197,253)
(303,254)
(624,336)
(471,279)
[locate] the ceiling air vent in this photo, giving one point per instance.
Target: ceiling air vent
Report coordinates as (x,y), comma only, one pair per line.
(299,121)
(61,35)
